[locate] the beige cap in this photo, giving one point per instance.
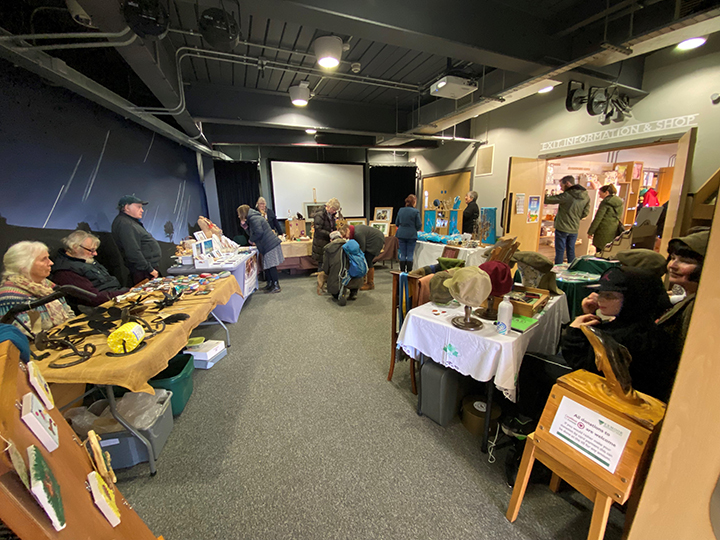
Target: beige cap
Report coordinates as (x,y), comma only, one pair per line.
(470,286)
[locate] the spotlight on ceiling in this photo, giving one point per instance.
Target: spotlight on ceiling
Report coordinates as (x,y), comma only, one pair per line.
(311,131)
(328,50)
(692,43)
(300,94)
(545,90)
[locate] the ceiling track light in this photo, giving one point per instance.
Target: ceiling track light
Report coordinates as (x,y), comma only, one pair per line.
(328,50)
(300,94)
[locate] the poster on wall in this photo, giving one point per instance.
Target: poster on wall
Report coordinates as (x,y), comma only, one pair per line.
(250,275)
(533,215)
(520,203)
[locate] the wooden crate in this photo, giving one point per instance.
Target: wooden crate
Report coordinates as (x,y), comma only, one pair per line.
(529,309)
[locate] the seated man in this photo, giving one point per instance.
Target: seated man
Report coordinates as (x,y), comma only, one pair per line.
(75,265)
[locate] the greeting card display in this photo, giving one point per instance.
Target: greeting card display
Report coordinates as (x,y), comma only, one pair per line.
(45,488)
(104,497)
(38,420)
(37,381)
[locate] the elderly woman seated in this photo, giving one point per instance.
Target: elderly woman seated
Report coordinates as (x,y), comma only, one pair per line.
(27,267)
(76,265)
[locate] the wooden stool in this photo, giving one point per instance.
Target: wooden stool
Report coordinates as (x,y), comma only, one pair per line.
(594,441)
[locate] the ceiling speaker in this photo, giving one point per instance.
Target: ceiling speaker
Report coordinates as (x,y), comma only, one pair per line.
(147,18)
(219,29)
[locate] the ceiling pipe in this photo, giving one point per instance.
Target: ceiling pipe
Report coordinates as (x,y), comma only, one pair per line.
(72,35)
(63,46)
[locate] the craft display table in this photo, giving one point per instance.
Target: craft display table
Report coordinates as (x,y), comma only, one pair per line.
(298,256)
(484,354)
(134,371)
(427,253)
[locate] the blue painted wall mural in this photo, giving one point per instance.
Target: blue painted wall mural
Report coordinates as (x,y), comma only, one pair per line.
(65,160)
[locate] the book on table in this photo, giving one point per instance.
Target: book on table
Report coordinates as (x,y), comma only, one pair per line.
(520,323)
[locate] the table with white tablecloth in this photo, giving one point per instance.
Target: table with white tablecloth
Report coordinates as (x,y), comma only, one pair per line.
(483,354)
(427,253)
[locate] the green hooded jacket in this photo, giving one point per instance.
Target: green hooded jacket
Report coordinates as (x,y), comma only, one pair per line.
(574,205)
(605,225)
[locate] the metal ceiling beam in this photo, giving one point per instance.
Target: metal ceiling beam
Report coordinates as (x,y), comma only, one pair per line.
(221,104)
(482,32)
(58,72)
(152,62)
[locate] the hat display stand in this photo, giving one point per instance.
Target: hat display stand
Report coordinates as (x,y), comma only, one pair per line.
(489,313)
(468,322)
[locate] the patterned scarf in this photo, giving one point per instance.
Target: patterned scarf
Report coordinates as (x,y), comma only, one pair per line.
(57,311)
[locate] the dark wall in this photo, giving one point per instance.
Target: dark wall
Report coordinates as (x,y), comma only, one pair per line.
(58,149)
(389,186)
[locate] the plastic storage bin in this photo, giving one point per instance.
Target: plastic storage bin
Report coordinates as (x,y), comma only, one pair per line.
(177,378)
(126,451)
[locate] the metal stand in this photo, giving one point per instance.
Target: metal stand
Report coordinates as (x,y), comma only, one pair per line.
(148,445)
(218,321)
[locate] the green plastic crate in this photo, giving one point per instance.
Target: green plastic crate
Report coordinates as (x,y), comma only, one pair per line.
(177,378)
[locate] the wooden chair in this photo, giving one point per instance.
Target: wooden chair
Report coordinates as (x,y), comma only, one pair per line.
(412,289)
(504,249)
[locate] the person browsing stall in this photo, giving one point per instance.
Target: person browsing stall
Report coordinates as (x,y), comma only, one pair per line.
(333,265)
(140,251)
(25,278)
(75,264)
(573,205)
(269,215)
(471,212)
(371,242)
(267,242)
(408,224)
(608,219)
(323,225)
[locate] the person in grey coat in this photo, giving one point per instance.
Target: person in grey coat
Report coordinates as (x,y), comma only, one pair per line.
(267,242)
(140,251)
(372,242)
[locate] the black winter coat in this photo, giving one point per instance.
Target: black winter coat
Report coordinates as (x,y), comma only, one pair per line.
(260,232)
(139,249)
(370,239)
(470,215)
(324,224)
(273,221)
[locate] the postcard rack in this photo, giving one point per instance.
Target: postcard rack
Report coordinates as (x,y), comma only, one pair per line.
(70,464)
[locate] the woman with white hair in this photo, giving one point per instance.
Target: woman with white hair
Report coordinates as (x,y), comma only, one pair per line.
(76,265)
(269,215)
(25,278)
(324,224)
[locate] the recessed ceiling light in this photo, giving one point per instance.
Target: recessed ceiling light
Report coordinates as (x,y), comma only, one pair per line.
(692,43)
(311,131)
(545,90)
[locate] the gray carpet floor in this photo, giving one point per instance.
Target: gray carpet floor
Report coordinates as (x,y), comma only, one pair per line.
(298,434)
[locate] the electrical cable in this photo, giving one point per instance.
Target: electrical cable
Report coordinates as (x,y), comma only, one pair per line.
(491,444)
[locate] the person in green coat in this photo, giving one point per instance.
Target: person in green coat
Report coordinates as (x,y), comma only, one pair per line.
(573,205)
(604,228)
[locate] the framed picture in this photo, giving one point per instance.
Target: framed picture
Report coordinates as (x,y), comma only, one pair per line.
(382,226)
(356,221)
(310,208)
(383,213)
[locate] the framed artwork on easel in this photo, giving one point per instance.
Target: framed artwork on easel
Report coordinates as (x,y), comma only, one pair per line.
(383,213)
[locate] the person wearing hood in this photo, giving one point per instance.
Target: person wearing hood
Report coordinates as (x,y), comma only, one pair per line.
(371,241)
(267,242)
(76,265)
(684,266)
(608,218)
(574,205)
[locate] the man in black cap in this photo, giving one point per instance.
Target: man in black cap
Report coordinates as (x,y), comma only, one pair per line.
(139,249)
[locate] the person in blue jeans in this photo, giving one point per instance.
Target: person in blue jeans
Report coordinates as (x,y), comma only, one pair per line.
(573,205)
(408,224)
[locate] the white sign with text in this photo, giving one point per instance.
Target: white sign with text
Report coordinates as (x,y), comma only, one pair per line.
(624,131)
(590,433)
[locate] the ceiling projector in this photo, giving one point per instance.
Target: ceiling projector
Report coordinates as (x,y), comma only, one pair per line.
(452,87)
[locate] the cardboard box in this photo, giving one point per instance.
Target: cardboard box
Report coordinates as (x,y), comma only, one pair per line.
(207,364)
(206,350)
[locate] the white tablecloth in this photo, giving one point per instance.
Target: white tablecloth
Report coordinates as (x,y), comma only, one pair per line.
(482,354)
(427,253)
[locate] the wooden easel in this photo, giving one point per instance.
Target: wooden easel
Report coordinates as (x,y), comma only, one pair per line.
(567,463)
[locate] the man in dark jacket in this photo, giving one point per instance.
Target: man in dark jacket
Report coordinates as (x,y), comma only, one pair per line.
(574,205)
(372,242)
(471,212)
(139,249)
(323,225)
(76,265)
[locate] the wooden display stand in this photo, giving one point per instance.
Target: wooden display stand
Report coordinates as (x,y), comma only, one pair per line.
(629,189)
(70,463)
(294,228)
(575,463)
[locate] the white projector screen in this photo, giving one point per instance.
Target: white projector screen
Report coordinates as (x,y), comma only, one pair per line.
(293,185)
